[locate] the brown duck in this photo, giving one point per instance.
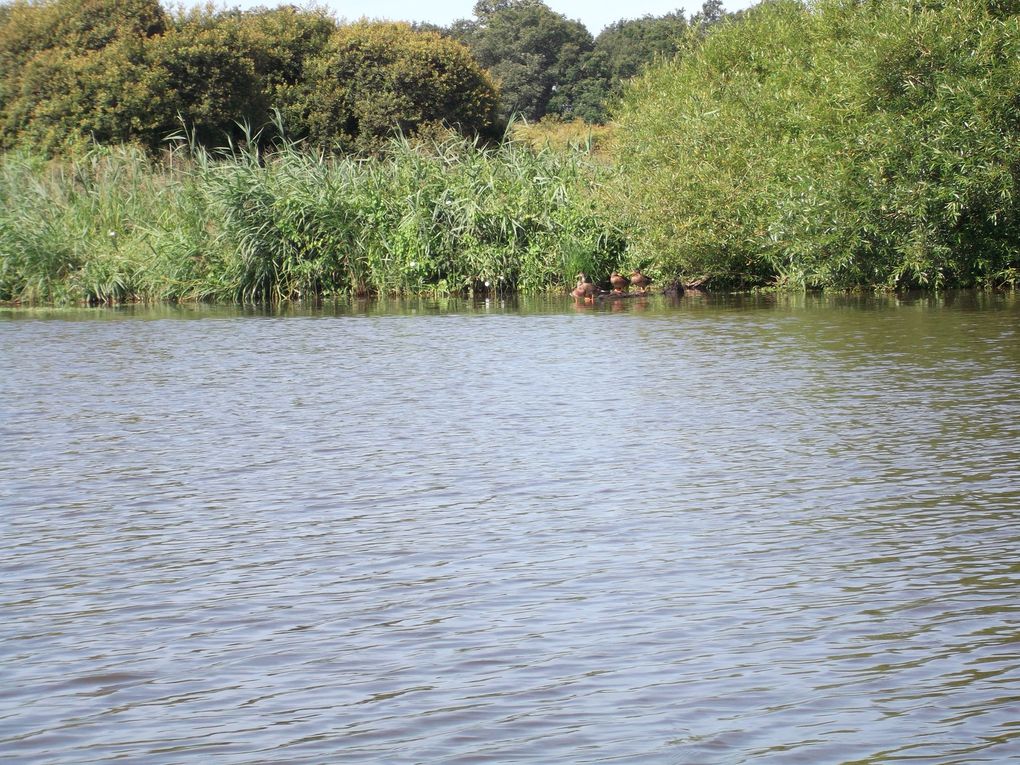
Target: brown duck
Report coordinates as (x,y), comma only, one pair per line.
(620,283)
(639,280)
(585,289)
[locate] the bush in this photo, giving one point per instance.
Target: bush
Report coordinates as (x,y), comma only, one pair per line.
(375,79)
(73,70)
(202,73)
(841,144)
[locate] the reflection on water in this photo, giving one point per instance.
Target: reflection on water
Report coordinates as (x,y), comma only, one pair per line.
(718,530)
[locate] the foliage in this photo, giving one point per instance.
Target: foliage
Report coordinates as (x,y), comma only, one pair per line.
(111,224)
(631,44)
(281,41)
(548,65)
(111,71)
(538,56)
(27,28)
(76,71)
(840,144)
(711,13)
(202,73)
(375,78)
(73,68)
(218,71)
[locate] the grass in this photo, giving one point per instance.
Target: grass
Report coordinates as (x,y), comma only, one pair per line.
(114,225)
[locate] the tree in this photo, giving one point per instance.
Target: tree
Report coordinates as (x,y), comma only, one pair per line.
(537,56)
(280,41)
(631,44)
(203,73)
(71,69)
(374,79)
(114,71)
(711,12)
(216,69)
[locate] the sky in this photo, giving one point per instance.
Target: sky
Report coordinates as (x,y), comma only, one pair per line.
(594,14)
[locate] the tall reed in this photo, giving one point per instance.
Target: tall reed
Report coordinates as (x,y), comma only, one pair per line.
(240,225)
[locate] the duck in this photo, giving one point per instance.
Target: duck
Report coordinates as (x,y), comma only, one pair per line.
(620,283)
(585,289)
(639,280)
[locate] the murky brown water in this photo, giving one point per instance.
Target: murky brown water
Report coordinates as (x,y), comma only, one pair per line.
(718,531)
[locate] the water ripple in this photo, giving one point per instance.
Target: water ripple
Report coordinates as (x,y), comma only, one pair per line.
(717,531)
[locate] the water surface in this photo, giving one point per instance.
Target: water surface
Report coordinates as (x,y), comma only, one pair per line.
(719,530)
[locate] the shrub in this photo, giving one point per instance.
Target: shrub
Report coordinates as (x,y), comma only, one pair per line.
(375,79)
(840,144)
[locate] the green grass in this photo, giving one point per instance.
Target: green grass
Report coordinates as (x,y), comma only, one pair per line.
(114,225)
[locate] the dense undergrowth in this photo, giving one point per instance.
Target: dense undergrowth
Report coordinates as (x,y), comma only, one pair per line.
(114,225)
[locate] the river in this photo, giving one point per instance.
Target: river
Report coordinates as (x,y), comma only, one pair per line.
(715,530)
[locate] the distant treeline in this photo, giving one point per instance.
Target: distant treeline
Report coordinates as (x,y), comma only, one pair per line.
(113,71)
(549,65)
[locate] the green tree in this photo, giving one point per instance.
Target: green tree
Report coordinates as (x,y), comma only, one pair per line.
(373,79)
(839,144)
(280,42)
(631,44)
(712,12)
(71,69)
(537,56)
(218,71)
(75,25)
(202,73)
(583,90)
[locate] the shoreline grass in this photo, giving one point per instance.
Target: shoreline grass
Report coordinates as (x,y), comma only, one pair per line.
(114,225)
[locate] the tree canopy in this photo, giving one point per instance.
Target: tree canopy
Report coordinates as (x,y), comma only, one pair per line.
(546,64)
(371,79)
(631,44)
(115,71)
(73,67)
(532,52)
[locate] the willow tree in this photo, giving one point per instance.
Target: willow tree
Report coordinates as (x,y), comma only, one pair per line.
(842,143)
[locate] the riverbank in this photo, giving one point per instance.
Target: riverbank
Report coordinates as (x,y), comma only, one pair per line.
(114,225)
(730,162)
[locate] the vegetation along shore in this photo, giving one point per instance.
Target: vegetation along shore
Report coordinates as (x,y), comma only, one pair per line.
(283,154)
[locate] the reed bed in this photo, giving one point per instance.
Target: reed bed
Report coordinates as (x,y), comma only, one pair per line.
(115,225)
